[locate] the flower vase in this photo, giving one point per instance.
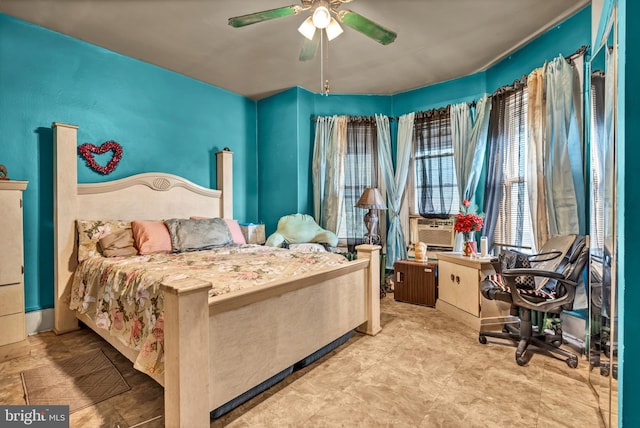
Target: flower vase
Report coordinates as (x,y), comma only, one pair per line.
(469,244)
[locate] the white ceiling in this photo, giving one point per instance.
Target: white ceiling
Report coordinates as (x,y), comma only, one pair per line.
(437,40)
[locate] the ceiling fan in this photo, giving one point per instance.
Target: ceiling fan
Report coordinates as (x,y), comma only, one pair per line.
(326,16)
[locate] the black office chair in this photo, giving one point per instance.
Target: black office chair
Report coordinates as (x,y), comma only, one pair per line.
(544,282)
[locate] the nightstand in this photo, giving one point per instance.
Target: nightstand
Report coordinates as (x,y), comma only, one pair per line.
(415,282)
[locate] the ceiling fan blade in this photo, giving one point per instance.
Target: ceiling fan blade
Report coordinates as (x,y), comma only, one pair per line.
(366,26)
(309,47)
(265,15)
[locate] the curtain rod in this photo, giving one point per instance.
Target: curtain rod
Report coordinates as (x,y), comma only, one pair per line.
(433,112)
(441,110)
(517,84)
(581,51)
(353,118)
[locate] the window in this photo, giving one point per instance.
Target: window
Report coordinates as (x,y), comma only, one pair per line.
(435,183)
(597,229)
(361,171)
(513,227)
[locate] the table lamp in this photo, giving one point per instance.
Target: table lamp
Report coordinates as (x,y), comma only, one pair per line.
(371,199)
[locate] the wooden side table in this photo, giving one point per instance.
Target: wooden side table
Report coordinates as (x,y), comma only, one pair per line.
(415,282)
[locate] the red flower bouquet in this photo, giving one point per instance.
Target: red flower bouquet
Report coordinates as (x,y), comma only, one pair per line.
(468,223)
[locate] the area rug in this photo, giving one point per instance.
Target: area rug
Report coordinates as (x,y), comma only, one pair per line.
(80,381)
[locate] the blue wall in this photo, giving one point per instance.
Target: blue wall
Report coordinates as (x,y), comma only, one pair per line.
(278,135)
(285,134)
(464,89)
(164,122)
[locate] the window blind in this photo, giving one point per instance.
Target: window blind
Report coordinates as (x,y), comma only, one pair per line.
(597,162)
(514,219)
(435,183)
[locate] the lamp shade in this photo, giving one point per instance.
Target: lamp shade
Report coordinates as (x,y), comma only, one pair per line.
(333,30)
(307,28)
(372,199)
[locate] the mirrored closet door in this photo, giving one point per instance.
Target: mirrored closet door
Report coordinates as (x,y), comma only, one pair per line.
(603,350)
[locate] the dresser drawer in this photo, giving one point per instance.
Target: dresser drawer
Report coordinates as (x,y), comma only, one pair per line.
(12,328)
(11,299)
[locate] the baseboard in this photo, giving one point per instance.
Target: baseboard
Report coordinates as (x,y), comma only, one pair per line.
(39,321)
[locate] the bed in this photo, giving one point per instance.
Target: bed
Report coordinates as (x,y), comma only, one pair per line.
(214,345)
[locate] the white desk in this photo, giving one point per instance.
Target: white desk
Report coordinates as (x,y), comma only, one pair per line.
(459,294)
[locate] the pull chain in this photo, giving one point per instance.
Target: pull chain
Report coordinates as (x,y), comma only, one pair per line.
(326,80)
(322,61)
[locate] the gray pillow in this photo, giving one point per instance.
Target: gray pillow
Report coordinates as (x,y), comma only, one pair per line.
(190,235)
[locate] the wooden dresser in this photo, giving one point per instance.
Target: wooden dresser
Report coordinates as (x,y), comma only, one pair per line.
(12,325)
(459,292)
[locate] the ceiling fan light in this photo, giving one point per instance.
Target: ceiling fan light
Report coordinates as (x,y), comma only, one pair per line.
(321,17)
(307,28)
(334,29)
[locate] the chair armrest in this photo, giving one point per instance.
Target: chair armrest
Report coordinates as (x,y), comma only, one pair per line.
(532,272)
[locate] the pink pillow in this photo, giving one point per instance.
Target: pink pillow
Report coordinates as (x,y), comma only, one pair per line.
(234,227)
(236,232)
(151,237)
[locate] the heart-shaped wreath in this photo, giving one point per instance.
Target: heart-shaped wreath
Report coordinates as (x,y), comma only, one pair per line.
(87,150)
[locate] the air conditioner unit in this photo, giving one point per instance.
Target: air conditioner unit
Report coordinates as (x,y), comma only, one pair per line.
(435,232)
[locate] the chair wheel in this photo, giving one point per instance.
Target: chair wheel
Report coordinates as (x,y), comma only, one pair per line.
(524,358)
(556,343)
(482,339)
(572,362)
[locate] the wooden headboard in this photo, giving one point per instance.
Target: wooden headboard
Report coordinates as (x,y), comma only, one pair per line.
(149,196)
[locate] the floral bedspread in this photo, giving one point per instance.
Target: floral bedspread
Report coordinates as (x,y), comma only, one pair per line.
(122,294)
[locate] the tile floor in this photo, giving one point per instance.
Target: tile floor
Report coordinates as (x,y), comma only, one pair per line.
(423,370)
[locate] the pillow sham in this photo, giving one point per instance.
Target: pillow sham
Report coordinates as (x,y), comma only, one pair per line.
(190,235)
(91,231)
(118,244)
(151,237)
(234,228)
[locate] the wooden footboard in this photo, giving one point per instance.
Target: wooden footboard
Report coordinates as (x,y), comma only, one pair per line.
(246,337)
(261,334)
(214,348)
